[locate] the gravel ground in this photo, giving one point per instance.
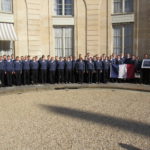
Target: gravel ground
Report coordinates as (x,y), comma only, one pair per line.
(79,119)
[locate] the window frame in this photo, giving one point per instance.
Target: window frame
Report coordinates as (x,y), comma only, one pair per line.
(123,34)
(9,51)
(63,9)
(63,28)
(6,12)
(115,48)
(123,9)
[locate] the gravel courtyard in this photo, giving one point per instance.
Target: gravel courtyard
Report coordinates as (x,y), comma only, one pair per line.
(77,119)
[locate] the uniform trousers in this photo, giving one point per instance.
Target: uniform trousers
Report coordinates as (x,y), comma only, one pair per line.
(52,74)
(68,76)
(105,76)
(74,76)
(43,75)
(81,76)
(98,75)
(9,78)
(60,75)
(26,77)
(34,76)
(17,76)
(2,77)
(90,76)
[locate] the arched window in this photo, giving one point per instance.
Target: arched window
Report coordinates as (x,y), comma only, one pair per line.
(63,7)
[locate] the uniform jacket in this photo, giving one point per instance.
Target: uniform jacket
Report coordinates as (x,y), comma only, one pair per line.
(26,65)
(52,65)
(2,65)
(9,66)
(81,66)
(68,65)
(60,65)
(34,65)
(106,65)
(90,65)
(98,65)
(43,64)
(17,66)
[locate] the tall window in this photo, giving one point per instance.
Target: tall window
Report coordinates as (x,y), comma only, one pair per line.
(63,41)
(6,48)
(123,6)
(63,7)
(123,39)
(128,38)
(129,6)
(6,6)
(117,40)
(117,6)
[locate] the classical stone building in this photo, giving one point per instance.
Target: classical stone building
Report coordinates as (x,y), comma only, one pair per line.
(73,27)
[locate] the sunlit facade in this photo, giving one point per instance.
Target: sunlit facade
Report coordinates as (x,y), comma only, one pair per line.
(73,27)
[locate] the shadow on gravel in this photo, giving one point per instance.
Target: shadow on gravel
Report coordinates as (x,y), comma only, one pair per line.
(128,147)
(127,125)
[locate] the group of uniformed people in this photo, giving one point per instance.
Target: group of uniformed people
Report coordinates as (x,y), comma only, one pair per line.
(26,70)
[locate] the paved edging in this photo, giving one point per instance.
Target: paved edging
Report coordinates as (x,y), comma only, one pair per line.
(120,86)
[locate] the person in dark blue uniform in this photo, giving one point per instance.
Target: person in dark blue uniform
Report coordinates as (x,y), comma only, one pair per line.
(52,70)
(90,70)
(43,69)
(34,66)
(133,60)
(119,61)
(26,71)
(113,59)
(123,58)
(9,70)
(98,69)
(74,70)
(86,70)
(68,70)
(60,69)
(5,76)
(48,59)
(2,72)
(17,71)
(56,73)
(128,59)
(80,70)
(106,69)
(12,58)
(138,70)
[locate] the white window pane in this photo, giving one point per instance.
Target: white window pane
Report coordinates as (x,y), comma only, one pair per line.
(117,40)
(59,42)
(63,7)
(6,5)
(68,42)
(64,41)
(58,5)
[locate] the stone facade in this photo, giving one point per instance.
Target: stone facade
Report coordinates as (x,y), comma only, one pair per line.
(92,21)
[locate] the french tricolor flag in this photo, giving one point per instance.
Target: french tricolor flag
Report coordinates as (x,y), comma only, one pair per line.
(122,71)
